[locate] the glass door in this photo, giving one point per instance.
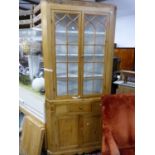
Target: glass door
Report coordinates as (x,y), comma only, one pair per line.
(93,53)
(67,53)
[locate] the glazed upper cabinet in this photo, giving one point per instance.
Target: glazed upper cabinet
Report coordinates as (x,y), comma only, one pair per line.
(78,41)
(79,53)
(67,43)
(79,44)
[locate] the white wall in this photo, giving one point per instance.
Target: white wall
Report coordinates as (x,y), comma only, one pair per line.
(125,31)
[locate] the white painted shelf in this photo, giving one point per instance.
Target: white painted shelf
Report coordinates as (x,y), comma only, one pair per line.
(76,32)
(85,55)
(76,76)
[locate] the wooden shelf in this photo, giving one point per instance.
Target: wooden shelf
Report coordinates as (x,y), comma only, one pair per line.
(93,76)
(77,55)
(85,55)
(67,55)
(76,32)
(76,76)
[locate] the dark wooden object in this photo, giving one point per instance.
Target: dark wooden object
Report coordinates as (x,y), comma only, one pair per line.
(127,57)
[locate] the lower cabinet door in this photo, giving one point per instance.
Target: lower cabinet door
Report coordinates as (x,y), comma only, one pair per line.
(91,129)
(68,131)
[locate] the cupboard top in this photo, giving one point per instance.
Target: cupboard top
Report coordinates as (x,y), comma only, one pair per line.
(81,6)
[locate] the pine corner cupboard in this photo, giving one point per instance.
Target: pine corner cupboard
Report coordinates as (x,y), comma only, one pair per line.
(78,39)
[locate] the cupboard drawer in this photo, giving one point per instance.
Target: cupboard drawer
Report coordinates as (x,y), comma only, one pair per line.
(80,108)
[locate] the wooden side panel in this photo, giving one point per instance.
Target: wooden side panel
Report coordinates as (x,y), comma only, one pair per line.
(32,137)
(91,129)
(68,131)
(127,56)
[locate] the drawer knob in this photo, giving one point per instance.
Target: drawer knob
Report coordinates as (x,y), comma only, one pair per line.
(87,124)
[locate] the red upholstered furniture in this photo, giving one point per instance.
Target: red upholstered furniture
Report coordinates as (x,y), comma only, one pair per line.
(118,115)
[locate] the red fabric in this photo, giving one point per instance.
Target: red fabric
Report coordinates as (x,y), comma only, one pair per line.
(118,115)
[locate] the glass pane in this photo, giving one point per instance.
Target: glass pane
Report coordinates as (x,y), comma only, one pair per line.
(100,23)
(61,58)
(100,39)
(61,49)
(73,33)
(88,50)
(72,87)
(88,53)
(66,28)
(99,49)
(95,29)
(88,69)
(72,58)
(61,70)
(72,38)
(98,58)
(98,84)
(72,70)
(61,21)
(61,38)
(88,86)
(98,69)
(73,50)
(61,53)
(89,37)
(67,51)
(94,37)
(72,53)
(89,58)
(61,87)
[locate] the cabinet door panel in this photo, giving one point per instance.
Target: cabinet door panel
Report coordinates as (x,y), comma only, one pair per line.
(67,52)
(94,44)
(91,129)
(68,131)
